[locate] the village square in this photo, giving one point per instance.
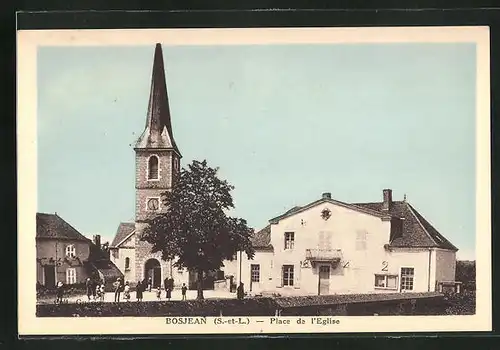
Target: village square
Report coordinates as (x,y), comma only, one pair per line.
(324,247)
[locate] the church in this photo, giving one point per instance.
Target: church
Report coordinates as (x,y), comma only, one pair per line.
(323,247)
(157,164)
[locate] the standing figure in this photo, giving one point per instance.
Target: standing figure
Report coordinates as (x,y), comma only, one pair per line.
(158,293)
(103,292)
(126,293)
(88,285)
(184,290)
(138,290)
(118,289)
(240,291)
(59,292)
(150,284)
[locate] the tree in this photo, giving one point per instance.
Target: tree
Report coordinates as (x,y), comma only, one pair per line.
(466,273)
(194,228)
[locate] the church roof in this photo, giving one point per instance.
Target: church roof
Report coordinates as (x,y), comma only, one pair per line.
(158,130)
(52,226)
(124,229)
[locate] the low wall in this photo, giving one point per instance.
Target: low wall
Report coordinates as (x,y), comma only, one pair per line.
(220,285)
(336,305)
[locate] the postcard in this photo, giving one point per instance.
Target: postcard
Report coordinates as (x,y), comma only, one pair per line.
(264,180)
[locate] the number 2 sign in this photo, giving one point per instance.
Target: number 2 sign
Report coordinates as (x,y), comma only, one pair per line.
(385,265)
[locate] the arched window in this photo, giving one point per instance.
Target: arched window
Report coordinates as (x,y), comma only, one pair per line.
(70,251)
(153,168)
(127,263)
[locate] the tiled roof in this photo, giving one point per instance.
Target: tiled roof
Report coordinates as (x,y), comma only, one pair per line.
(54,227)
(108,270)
(416,231)
(261,240)
(124,229)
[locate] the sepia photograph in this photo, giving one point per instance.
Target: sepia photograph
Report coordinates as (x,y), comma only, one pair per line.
(231,179)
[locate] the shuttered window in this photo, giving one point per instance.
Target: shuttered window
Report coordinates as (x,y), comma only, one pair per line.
(361,240)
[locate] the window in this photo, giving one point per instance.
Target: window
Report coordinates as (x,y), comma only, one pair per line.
(289,240)
(71,276)
(288,275)
(70,251)
(325,240)
(255,272)
(407,274)
(361,240)
(127,263)
(386,281)
(153,168)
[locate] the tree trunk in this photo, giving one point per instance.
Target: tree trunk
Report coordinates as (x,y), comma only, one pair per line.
(200,285)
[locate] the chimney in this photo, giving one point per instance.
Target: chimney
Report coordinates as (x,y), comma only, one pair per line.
(387,199)
(327,195)
(97,241)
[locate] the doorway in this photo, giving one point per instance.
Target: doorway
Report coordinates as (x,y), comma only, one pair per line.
(324,280)
(49,276)
(153,270)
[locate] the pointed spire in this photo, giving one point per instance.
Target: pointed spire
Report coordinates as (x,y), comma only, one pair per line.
(158,130)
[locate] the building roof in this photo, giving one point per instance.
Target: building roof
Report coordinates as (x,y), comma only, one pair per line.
(261,240)
(158,130)
(124,229)
(417,232)
(298,209)
(52,226)
(105,267)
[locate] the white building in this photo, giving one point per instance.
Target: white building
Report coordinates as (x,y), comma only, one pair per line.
(331,247)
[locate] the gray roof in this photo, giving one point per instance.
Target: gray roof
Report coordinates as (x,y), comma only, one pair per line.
(124,229)
(261,240)
(414,232)
(158,132)
(52,226)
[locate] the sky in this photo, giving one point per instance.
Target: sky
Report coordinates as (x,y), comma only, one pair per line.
(284,123)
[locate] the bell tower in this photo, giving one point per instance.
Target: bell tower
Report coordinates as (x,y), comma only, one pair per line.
(157,157)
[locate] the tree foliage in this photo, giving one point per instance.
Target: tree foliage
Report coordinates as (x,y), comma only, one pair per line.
(466,273)
(194,230)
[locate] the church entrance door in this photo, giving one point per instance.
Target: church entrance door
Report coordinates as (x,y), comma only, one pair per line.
(153,270)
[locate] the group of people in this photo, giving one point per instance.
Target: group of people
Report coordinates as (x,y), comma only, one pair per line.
(146,285)
(95,289)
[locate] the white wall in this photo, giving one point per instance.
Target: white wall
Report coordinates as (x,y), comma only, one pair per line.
(361,265)
(342,229)
(445,265)
(265,261)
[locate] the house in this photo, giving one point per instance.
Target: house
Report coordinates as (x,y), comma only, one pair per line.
(64,254)
(332,247)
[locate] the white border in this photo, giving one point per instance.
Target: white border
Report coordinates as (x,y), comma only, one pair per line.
(28,41)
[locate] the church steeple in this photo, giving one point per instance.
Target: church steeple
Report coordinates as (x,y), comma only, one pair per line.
(158,133)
